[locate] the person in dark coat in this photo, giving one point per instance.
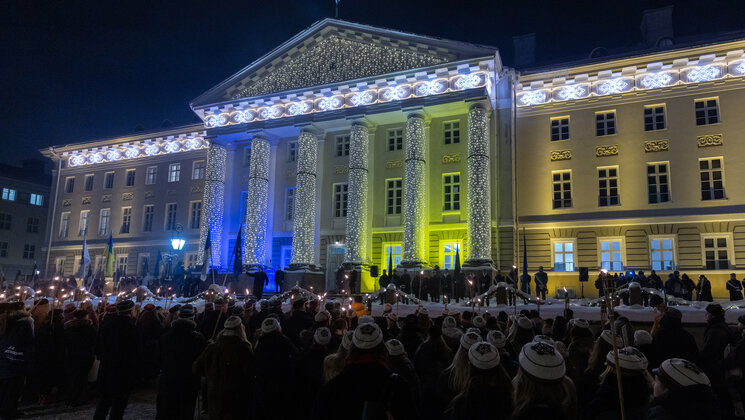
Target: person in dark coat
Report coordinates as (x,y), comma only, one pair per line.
(703,289)
(403,367)
(682,391)
(673,286)
(671,340)
(229,368)
(150,328)
(734,287)
(435,285)
(178,386)
(120,352)
(212,319)
(717,336)
(541,283)
(636,387)
(688,286)
(430,360)
(310,369)
(80,351)
(44,372)
(279,279)
(654,281)
(298,320)
(384,280)
(16,344)
(447,284)
(366,388)
(260,280)
(405,282)
(410,335)
(276,358)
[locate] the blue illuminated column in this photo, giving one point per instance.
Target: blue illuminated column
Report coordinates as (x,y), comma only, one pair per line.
(415,203)
(213,203)
(356,239)
(303,230)
(258,199)
(478,204)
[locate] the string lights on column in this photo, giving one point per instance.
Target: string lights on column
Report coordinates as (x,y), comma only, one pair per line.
(356,241)
(303,251)
(213,203)
(479,206)
(258,196)
(415,211)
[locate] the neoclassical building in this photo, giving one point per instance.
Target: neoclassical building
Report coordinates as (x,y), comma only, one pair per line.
(350,144)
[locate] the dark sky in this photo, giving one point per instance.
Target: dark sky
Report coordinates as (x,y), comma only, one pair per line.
(75,70)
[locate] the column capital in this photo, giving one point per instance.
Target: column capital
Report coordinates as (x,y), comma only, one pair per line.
(260,134)
(313,129)
(477,103)
(361,120)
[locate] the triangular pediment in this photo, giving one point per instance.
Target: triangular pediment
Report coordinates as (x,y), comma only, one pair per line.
(333,51)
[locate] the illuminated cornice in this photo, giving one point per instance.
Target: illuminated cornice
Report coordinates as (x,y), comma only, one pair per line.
(632,79)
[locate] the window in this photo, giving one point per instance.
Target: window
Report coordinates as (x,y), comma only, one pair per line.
(717,251)
(103,221)
(611,254)
(174,172)
(195,215)
(108,180)
(563,255)
(393,250)
(197,169)
(658,183)
(171,216)
(126,219)
(247,156)
(340,199)
(29,251)
(707,111)
(9,194)
(64,225)
(191,260)
(130,177)
(292,151)
(32,225)
(147,220)
(662,253)
(83,225)
(290,203)
(89,182)
(712,178)
(5,221)
(654,117)
(3,249)
(342,145)
(451,192)
(605,123)
(395,139)
(393,194)
(451,131)
(562,182)
(36,199)
(151,174)
(121,265)
(559,128)
(448,254)
(608,186)
(69,184)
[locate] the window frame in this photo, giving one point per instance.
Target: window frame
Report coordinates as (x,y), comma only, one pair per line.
(453,244)
(653,125)
(198,172)
(9,194)
(612,239)
(32,224)
(126,220)
(130,175)
(384,254)
(29,251)
(36,199)
(398,194)
(657,182)
(395,137)
(560,128)
(168,224)
(69,185)
(605,123)
(452,202)
(561,181)
(608,178)
(712,190)
(89,180)
(174,172)
(108,180)
(64,222)
(3,250)
(732,263)
(289,207)
(453,129)
(661,238)
(81,227)
(195,220)
(341,144)
(151,175)
(292,151)
(101,218)
(555,241)
(343,198)
(148,217)
(706,108)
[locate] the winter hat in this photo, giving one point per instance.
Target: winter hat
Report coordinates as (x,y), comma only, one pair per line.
(274,302)
(496,338)
(298,304)
(387,308)
(741,319)
(677,373)
(642,337)
(468,339)
(111,309)
(542,361)
(715,309)
(367,336)
(270,324)
(263,304)
(70,308)
(483,356)
(580,323)
(365,319)
(234,322)
(149,307)
(346,341)
(80,313)
(322,336)
(629,359)
(322,316)
(474,330)
(607,336)
(395,348)
(187,311)
(540,338)
(449,322)
(124,306)
(479,322)
(675,314)
(391,286)
(452,333)
(524,323)
(174,309)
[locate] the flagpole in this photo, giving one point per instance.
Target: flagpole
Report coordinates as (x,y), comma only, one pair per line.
(232,254)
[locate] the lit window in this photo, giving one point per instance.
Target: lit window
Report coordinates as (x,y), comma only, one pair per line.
(108,181)
(32,225)
(451,131)
(658,183)
(195,215)
(171,216)
(562,189)
(29,251)
(9,194)
(451,192)
(717,252)
(151,175)
(611,254)
(393,194)
(83,225)
(130,177)
(662,253)
(197,169)
(608,187)
(149,213)
(564,256)
(605,123)
(89,182)
(69,184)
(449,250)
(36,199)
(707,111)
(6,221)
(712,178)
(654,117)
(340,199)
(290,203)
(395,139)
(126,219)
(560,128)
(391,251)
(174,172)
(64,225)
(292,151)
(342,145)
(103,221)
(121,265)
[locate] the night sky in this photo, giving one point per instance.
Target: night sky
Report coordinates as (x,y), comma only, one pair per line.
(76,70)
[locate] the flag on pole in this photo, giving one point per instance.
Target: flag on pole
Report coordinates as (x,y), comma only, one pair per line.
(525,278)
(206,257)
(108,257)
(85,259)
(390,260)
(238,254)
(457,260)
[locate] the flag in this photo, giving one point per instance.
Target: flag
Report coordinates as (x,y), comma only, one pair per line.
(85,259)
(108,257)
(525,278)
(238,254)
(457,260)
(390,260)
(206,256)
(156,273)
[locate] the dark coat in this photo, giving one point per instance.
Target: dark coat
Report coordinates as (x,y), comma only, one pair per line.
(716,337)
(297,321)
(481,403)
(735,290)
(16,345)
(605,404)
(276,358)
(402,366)
(384,280)
(689,403)
(179,347)
(80,344)
(49,349)
(703,291)
(229,368)
(120,352)
(671,341)
(260,280)
(209,319)
(654,281)
(411,338)
(310,377)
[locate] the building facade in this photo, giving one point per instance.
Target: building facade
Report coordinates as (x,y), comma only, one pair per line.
(355,145)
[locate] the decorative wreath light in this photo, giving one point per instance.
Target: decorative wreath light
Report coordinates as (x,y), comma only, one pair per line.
(127,151)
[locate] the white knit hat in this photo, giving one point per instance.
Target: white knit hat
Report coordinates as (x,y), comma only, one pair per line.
(540,338)
(524,322)
(387,307)
(497,338)
(321,316)
(453,333)
(449,322)
(642,337)
(675,373)
(468,339)
(581,323)
(483,356)
(607,336)
(395,348)
(542,361)
(367,336)
(232,322)
(366,319)
(629,358)
(474,330)
(478,322)
(270,324)
(346,340)
(322,336)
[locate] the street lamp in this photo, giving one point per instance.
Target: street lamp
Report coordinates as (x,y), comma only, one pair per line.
(177,244)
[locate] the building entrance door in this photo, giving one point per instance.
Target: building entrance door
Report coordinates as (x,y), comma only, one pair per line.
(334,258)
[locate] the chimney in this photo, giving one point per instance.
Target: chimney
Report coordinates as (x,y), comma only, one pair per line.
(524,50)
(657,27)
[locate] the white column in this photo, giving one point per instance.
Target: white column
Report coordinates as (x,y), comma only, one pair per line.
(415,211)
(303,230)
(213,203)
(258,196)
(356,239)
(479,205)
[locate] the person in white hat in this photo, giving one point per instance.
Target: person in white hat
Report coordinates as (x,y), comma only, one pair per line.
(430,360)
(402,365)
(333,364)
(310,369)
(636,383)
(580,343)
(542,389)
(499,340)
(682,391)
(596,363)
(275,367)
(453,380)
(524,333)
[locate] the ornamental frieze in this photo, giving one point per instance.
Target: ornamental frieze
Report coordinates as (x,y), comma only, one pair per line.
(106,198)
(127,196)
(710,140)
(341,169)
(86,200)
(197,189)
(149,194)
(66,202)
(561,155)
(611,150)
(657,146)
(451,158)
(394,164)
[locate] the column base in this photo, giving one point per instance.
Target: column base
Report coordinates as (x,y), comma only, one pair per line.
(478,264)
(412,265)
(304,279)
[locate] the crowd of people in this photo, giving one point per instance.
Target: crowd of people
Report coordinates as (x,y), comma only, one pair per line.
(330,360)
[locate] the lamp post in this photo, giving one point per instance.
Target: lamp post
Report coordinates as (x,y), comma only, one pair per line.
(177,244)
